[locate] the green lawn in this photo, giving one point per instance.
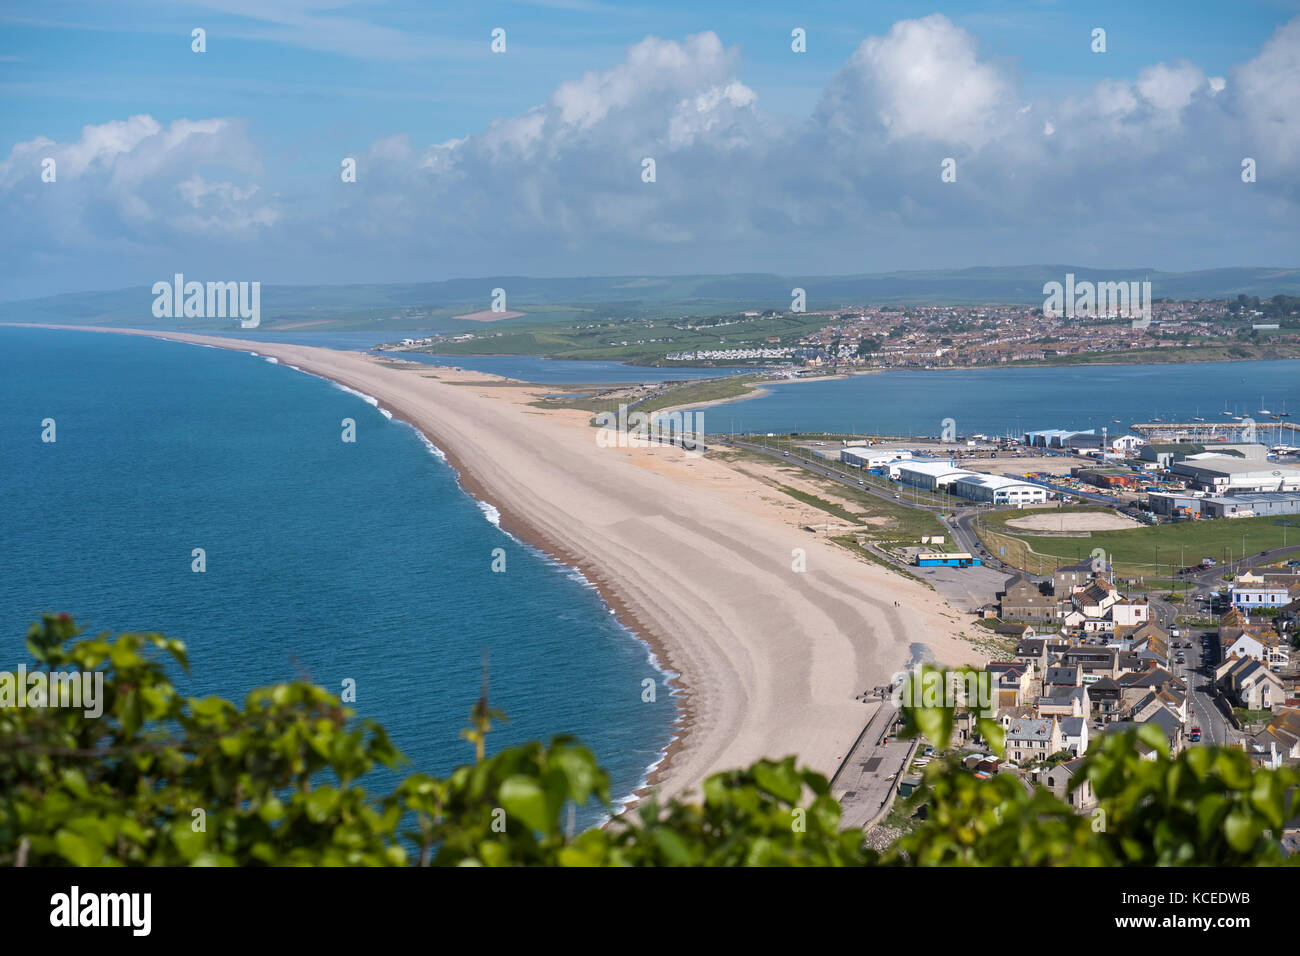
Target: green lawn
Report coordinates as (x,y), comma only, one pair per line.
(1144,551)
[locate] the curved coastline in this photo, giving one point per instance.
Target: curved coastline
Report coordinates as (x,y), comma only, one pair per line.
(521,532)
(692,554)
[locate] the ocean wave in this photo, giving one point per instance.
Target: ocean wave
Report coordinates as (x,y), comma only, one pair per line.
(272,359)
(493,516)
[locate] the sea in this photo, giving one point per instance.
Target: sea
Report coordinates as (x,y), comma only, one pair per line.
(1012,401)
(322,560)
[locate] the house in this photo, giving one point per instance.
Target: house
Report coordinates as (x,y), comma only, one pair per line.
(1074,735)
(1095,662)
(1278,742)
(1130,612)
(1033,653)
(1011,682)
(1105,696)
(1025,600)
(1257,643)
(1029,740)
(1069,675)
(1247,596)
(1071,577)
(1252,685)
(1058,779)
(1064,701)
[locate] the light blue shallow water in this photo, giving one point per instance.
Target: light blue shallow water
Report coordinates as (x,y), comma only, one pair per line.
(324,559)
(1014,400)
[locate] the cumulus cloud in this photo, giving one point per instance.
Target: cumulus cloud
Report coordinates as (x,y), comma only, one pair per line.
(1140,170)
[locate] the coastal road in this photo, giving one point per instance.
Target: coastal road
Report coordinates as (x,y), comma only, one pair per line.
(812,464)
(869,773)
(1212,578)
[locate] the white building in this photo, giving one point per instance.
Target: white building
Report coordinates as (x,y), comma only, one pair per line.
(930,475)
(864,457)
(1222,475)
(999,489)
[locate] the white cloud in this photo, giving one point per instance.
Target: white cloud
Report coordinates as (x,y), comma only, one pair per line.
(1141,169)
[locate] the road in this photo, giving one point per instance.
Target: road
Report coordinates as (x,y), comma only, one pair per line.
(1212,578)
(866,780)
(1206,711)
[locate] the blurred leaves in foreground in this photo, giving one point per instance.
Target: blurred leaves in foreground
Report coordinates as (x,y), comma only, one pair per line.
(162,779)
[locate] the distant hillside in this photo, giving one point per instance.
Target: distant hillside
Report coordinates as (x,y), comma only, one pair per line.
(433,305)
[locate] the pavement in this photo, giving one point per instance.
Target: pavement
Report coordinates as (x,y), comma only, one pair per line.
(867,778)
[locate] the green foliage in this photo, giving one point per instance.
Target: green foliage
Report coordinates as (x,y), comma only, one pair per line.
(163,779)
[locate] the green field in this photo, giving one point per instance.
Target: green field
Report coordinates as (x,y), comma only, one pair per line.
(640,341)
(1157,550)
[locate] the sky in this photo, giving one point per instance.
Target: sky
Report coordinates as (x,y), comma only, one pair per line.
(227,164)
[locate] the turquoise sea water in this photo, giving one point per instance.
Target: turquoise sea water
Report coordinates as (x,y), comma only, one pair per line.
(1015,400)
(324,559)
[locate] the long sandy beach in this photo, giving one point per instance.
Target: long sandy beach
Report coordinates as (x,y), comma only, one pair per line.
(693,554)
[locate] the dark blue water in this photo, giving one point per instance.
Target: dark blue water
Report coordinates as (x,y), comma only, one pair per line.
(1012,401)
(325,560)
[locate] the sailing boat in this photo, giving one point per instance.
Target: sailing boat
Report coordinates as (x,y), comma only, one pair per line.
(1263,412)
(1198,417)
(1283,413)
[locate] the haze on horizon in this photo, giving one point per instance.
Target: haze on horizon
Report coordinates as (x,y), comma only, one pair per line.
(226,164)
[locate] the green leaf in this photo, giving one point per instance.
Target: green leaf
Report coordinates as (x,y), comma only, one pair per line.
(523,798)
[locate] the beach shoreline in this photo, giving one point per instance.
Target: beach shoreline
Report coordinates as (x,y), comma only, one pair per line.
(690,554)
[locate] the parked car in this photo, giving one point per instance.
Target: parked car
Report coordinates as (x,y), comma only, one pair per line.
(1196,734)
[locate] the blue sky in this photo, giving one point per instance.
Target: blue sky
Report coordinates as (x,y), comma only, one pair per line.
(786,162)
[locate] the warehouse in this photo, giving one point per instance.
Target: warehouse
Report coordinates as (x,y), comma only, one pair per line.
(864,457)
(930,475)
(1227,475)
(1174,504)
(999,490)
(1062,438)
(1258,504)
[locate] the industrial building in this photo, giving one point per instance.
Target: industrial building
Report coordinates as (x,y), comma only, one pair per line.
(1222,475)
(861,456)
(1252,505)
(1063,438)
(1246,505)
(1173,504)
(928,474)
(999,489)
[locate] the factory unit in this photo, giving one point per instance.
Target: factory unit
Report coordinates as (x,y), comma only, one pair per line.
(1222,475)
(1246,505)
(999,489)
(929,474)
(1251,505)
(864,457)
(1063,438)
(1174,504)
